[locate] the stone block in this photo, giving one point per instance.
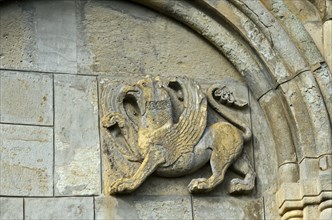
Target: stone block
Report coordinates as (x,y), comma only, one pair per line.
(11,208)
(155,185)
(55,35)
(325,183)
(26,160)
(304,140)
(77,155)
(227,208)
(325,163)
(148,45)
(26,98)
(315,30)
(143,207)
(264,148)
(59,208)
(309,168)
(310,187)
(289,192)
(266,165)
(318,114)
(15,38)
(39,35)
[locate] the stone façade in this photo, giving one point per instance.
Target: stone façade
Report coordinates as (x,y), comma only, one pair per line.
(279,50)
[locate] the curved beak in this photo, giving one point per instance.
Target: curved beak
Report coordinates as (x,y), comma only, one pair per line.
(131,89)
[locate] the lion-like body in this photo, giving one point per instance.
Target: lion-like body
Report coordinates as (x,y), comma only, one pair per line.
(164,123)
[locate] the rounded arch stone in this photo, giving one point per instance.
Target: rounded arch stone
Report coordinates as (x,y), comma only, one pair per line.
(287,75)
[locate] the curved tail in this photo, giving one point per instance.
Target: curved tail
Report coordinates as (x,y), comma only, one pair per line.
(225,113)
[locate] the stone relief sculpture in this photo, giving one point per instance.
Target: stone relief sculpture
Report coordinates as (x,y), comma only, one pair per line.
(162,125)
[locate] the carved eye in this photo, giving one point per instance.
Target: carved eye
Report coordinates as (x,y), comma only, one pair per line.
(144,84)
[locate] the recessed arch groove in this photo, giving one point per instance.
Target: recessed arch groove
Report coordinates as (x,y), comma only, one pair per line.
(303,137)
(293,90)
(242,58)
(305,55)
(217,35)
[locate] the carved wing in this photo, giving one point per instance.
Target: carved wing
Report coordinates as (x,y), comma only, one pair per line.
(117,119)
(185,134)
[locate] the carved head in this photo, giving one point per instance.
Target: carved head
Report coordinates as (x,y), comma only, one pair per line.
(152,89)
(152,100)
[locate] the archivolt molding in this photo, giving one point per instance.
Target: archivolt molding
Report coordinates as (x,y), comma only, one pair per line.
(287,75)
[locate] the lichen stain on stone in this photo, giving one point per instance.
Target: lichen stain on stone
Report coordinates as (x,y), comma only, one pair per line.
(40,119)
(44,100)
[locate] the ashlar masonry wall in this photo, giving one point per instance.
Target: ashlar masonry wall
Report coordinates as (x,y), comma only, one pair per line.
(55,58)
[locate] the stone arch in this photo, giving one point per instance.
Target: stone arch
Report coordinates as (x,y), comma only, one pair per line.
(289,79)
(287,75)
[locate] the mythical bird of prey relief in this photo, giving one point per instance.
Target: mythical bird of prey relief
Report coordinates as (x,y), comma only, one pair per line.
(161,124)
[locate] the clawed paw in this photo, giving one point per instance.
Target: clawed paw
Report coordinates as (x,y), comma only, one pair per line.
(238,186)
(199,185)
(122,186)
(111,119)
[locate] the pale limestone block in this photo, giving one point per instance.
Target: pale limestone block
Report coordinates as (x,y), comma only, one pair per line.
(55,35)
(227,208)
(11,208)
(26,160)
(308,168)
(38,35)
(15,38)
(59,208)
(26,98)
(77,155)
(149,44)
(143,207)
(328,16)
(315,30)
(327,32)
(266,165)
(301,119)
(316,107)
(288,191)
(155,185)
(311,212)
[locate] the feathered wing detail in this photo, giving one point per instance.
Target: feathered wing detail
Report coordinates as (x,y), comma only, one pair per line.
(122,130)
(185,134)
(179,138)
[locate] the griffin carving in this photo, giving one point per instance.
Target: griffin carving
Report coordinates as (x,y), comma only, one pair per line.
(161,124)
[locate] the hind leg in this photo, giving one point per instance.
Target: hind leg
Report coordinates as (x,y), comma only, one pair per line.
(242,166)
(226,146)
